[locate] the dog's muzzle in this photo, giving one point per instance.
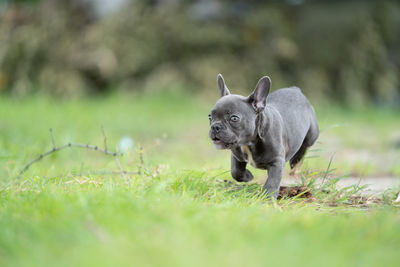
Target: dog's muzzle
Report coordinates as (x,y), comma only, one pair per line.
(219,138)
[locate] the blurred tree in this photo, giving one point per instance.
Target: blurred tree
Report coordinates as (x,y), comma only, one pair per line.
(347,51)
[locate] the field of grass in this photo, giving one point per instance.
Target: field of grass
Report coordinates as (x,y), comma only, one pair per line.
(183,209)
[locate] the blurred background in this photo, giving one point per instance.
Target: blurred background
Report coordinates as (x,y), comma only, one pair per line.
(146,70)
(342,51)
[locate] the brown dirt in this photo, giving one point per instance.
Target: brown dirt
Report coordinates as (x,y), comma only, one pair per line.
(294,191)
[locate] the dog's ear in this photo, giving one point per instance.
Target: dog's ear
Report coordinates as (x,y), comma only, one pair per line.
(259,97)
(222,86)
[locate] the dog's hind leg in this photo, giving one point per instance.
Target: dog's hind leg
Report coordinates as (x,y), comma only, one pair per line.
(309,140)
(298,156)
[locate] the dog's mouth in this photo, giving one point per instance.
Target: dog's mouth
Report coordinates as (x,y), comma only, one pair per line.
(217,141)
(221,144)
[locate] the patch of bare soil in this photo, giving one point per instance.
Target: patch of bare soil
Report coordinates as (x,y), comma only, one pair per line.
(307,195)
(295,191)
(284,191)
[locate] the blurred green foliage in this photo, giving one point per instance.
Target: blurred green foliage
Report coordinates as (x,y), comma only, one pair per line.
(347,51)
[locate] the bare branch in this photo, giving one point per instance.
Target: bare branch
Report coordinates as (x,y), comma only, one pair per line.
(52,138)
(105,138)
(87,146)
(141,155)
(120,168)
(141,159)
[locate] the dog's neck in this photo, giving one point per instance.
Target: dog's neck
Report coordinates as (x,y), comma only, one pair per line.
(264,117)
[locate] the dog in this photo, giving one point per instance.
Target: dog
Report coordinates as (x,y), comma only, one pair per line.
(264,130)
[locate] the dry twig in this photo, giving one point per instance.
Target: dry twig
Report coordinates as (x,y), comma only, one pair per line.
(141,164)
(87,146)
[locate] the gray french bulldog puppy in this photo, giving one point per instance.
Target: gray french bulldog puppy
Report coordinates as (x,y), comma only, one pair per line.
(263,129)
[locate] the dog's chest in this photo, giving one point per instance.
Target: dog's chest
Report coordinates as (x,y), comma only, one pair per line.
(248,155)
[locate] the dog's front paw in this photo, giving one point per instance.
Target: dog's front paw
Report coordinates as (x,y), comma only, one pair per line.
(270,193)
(243,176)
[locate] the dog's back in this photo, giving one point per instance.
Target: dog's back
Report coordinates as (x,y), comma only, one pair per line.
(298,116)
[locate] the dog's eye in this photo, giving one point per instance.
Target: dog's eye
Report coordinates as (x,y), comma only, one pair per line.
(234,118)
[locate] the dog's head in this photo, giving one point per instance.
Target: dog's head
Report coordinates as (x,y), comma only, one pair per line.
(233,118)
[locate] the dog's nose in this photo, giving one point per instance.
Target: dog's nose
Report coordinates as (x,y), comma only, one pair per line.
(216,127)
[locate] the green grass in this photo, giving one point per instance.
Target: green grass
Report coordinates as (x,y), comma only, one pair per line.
(179,211)
(185,219)
(363,142)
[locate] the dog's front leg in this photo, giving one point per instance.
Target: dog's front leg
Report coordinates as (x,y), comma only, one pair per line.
(239,171)
(275,173)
